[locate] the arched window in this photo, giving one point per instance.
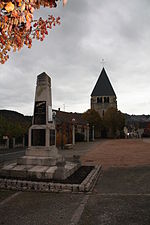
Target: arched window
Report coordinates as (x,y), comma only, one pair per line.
(99,99)
(106,99)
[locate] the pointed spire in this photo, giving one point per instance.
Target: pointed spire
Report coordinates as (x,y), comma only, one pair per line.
(103,86)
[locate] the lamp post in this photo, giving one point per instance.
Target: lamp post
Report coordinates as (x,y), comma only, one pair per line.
(93,133)
(88,138)
(54,120)
(73,131)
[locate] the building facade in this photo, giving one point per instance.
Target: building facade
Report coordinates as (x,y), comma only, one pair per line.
(65,123)
(103,96)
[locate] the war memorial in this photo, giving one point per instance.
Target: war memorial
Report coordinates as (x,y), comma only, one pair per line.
(120,195)
(42,168)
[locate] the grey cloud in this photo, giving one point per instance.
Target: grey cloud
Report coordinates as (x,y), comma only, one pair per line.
(117,31)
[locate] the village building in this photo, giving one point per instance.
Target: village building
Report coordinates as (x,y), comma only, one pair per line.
(70,124)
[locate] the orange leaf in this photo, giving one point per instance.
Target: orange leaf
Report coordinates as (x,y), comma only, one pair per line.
(23,7)
(14,13)
(28,25)
(9,7)
(5,18)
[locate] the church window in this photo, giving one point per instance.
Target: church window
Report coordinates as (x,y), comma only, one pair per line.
(106,99)
(99,100)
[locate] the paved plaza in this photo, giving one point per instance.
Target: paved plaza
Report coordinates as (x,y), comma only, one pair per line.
(120,197)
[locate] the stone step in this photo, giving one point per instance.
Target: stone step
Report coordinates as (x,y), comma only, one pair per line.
(39,172)
(25,185)
(40,161)
(44,152)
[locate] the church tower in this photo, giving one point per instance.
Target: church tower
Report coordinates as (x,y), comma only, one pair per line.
(103,95)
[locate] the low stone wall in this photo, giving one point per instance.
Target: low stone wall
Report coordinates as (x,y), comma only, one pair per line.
(21,185)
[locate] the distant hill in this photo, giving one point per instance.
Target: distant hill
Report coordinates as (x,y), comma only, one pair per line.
(13,116)
(13,124)
(139,118)
(141,121)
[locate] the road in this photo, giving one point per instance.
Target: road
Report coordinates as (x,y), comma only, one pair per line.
(9,157)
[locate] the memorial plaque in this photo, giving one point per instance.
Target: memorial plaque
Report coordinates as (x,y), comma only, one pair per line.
(38,137)
(40,112)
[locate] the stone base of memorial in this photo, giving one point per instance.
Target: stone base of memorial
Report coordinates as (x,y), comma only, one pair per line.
(41,163)
(42,168)
(75,183)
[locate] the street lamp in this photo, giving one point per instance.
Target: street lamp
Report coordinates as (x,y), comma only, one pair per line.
(54,121)
(88,138)
(93,133)
(73,131)
(54,115)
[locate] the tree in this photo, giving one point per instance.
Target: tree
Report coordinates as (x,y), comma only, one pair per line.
(18,27)
(93,118)
(114,120)
(11,128)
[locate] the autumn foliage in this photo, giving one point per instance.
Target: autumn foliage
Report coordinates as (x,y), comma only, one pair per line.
(18,27)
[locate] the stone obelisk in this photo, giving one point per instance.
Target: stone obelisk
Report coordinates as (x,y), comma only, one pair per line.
(42,136)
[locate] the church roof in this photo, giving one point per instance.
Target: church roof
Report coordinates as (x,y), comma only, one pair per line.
(66,117)
(103,86)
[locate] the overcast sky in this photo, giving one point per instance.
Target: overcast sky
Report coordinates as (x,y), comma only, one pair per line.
(117,31)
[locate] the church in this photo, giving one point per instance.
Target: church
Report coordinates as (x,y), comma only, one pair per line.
(103,95)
